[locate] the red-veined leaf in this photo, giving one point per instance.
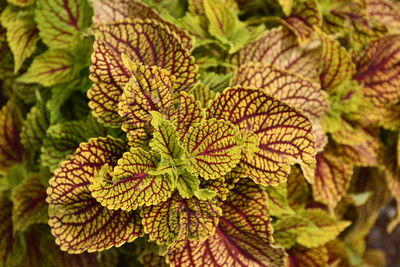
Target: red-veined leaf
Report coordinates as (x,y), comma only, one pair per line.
(337,65)
(242,237)
(290,88)
(61,21)
(284,133)
(107,11)
(78,221)
(11,149)
(211,148)
(278,47)
(29,203)
(149,89)
(378,71)
(188,113)
(134,39)
(310,257)
(178,219)
(332,177)
(303,20)
(129,185)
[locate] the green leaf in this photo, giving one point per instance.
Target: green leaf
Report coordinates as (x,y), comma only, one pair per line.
(62,139)
(22,3)
(211,148)
(165,138)
(11,249)
(34,128)
(22,34)
(11,149)
(327,228)
(29,203)
(225,26)
(277,200)
(50,68)
(130,184)
(61,21)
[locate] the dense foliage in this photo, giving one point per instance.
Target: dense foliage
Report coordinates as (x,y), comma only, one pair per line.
(197,132)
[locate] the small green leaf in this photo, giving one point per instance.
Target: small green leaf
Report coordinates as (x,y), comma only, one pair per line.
(165,138)
(50,68)
(225,26)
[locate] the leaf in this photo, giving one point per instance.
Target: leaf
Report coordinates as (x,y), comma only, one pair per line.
(287,228)
(134,39)
(63,139)
(149,89)
(242,238)
(11,150)
(78,222)
(165,138)
(50,68)
(350,18)
(314,257)
(34,128)
(178,218)
(22,36)
(298,191)
(22,3)
(130,184)
(294,90)
(107,11)
(378,72)
(303,20)
(279,48)
(60,22)
(225,26)
(188,114)
(286,6)
(203,94)
(29,203)
(332,178)
(327,228)
(388,160)
(10,245)
(211,148)
(337,65)
(386,12)
(284,133)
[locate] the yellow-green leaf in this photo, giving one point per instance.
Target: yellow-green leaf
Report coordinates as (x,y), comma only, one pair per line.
(284,134)
(50,68)
(134,39)
(211,148)
(242,238)
(78,222)
(61,22)
(278,47)
(130,185)
(149,89)
(29,203)
(178,219)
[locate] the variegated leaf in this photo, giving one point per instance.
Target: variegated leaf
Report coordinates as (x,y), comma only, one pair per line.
(284,133)
(78,222)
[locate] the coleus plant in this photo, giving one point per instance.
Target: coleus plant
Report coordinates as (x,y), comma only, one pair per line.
(197,133)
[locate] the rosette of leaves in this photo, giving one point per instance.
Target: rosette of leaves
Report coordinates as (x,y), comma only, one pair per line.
(199,112)
(183,167)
